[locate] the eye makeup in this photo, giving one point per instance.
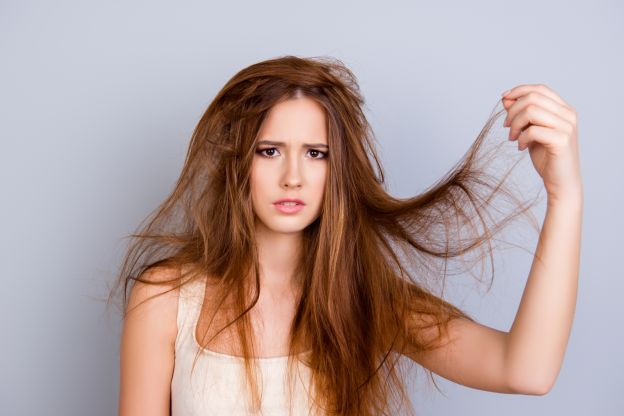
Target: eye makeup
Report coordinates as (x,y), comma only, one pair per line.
(261,151)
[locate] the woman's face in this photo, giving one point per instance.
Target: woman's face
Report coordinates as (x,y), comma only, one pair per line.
(290,161)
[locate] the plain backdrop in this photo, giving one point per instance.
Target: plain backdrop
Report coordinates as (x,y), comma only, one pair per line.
(98,101)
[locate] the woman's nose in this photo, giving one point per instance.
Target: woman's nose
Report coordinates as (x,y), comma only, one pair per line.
(292,174)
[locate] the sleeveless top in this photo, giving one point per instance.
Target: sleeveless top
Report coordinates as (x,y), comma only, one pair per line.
(217,384)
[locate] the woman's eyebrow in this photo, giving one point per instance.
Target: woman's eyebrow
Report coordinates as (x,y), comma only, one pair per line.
(308,145)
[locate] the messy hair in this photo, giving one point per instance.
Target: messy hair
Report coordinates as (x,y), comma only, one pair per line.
(367,294)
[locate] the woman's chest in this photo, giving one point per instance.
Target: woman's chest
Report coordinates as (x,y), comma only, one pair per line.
(271,325)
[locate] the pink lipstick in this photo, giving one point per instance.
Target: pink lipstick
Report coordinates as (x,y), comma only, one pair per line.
(289,205)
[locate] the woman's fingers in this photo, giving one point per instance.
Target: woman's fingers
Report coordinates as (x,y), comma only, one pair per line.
(539,134)
(538,116)
(541,88)
(534,98)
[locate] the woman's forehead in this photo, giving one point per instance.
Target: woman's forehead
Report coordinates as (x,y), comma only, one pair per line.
(297,121)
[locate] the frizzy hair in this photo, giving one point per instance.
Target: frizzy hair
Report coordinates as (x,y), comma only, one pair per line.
(360,308)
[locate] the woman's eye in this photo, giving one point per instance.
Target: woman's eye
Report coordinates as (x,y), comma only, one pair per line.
(259,151)
(315,153)
(324,154)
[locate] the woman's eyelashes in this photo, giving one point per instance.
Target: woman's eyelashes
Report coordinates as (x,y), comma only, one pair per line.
(314,151)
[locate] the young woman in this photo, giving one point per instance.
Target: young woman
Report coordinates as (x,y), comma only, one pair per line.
(271,280)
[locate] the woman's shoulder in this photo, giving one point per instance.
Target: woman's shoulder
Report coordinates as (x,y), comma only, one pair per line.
(154,302)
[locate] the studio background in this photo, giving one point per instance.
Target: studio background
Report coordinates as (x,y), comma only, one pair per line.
(98,101)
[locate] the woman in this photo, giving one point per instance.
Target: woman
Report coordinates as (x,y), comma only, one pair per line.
(277,255)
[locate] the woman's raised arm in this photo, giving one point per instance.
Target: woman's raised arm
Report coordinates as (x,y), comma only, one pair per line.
(527,359)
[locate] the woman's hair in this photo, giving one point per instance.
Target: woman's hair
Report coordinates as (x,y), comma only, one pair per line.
(360,307)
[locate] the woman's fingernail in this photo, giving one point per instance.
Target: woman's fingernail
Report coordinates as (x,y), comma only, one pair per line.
(505,93)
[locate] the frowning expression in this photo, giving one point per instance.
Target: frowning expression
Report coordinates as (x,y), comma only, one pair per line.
(290,162)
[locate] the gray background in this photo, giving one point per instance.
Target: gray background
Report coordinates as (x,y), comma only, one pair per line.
(98,101)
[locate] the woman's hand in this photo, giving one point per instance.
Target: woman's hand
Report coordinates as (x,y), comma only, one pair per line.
(545,124)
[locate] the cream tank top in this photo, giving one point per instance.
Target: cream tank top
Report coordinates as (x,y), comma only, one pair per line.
(216,386)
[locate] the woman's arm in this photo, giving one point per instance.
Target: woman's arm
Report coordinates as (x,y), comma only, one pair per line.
(147,351)
(542,122)
(540,331)
(527,359)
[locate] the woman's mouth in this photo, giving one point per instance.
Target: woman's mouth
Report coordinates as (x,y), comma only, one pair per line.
(288,207)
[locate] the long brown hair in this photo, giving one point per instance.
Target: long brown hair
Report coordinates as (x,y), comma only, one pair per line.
(361,307)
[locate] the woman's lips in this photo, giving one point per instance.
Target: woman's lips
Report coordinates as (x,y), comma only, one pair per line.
(288,209)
